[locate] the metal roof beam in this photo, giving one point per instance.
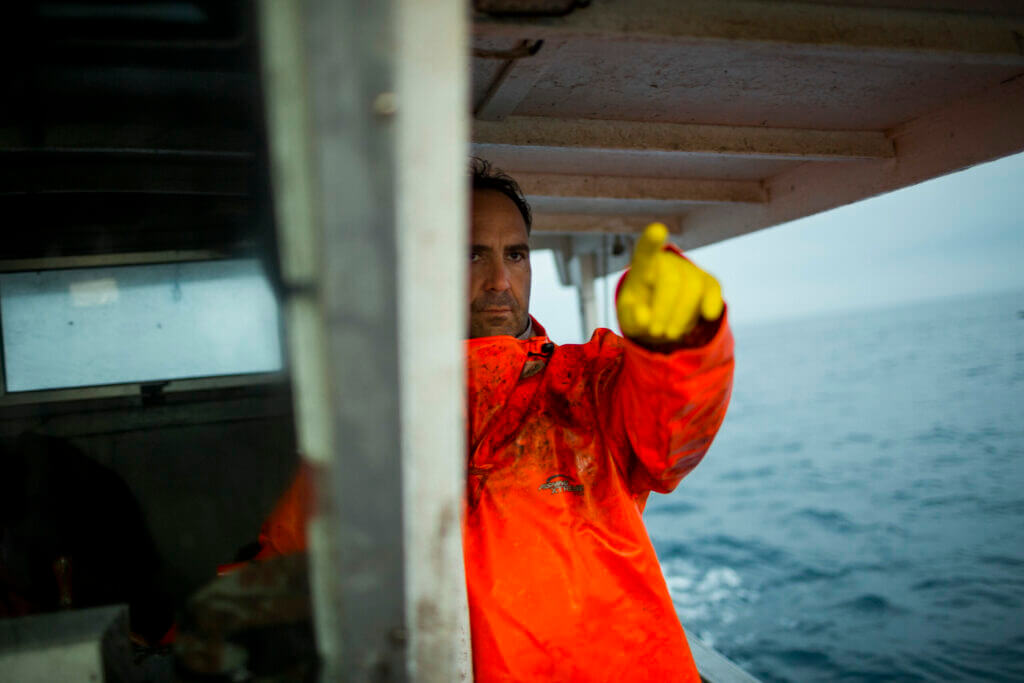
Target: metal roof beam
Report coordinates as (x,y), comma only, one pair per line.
(968,132)
(741,141)
(923,34)
(669,189)
(592,223)
(514,82)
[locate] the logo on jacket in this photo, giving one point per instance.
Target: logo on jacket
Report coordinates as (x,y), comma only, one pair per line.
(561,483)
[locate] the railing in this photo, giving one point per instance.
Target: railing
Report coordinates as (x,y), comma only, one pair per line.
(714,667)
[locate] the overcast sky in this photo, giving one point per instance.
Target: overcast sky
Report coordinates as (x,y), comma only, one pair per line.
(956,235)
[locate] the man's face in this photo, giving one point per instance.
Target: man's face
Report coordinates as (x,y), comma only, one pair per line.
(499,267)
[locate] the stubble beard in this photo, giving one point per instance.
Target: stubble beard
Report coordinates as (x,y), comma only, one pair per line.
(482,324)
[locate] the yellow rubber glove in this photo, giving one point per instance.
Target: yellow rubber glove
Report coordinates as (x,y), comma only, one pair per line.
(664,295)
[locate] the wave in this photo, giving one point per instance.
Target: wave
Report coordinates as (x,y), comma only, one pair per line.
(679,507)
(831,520)
(872,604)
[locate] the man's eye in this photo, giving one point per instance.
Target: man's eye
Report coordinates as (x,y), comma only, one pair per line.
(517,256)
(474,257)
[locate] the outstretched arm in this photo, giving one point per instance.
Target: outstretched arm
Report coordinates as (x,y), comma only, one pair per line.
(676,378)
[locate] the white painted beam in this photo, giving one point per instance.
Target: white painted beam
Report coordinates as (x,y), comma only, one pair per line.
(739,141)
(619,224)
(432,93)
(377,203)
(968,132)
(669,189)
(916,34)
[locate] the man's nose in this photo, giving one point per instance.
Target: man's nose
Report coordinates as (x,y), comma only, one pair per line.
(498,278)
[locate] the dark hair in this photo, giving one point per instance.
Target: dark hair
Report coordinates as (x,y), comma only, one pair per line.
(486,177)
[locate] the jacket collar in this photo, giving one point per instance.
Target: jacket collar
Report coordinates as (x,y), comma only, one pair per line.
(532,344)
(536,329)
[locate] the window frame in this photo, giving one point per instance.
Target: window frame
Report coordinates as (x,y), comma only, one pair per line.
(129,389)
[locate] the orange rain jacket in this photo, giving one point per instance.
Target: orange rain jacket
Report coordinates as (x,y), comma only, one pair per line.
(565,444)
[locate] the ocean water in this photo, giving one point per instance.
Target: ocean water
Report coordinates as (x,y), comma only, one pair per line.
(860,516)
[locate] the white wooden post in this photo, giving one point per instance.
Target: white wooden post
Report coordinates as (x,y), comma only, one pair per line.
(367,113)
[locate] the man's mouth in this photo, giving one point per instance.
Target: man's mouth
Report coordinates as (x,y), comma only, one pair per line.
(502,305)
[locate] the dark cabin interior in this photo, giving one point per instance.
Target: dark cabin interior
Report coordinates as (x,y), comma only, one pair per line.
(134,131)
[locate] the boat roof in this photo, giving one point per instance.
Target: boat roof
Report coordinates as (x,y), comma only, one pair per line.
(720,118)
(137,130)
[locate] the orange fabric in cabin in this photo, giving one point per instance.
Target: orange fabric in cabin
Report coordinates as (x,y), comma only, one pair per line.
(284,532)
(565,444)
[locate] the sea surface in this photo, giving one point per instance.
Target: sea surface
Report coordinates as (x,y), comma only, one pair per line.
(860,516)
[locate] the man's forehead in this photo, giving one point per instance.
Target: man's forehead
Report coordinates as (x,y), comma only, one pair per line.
(495,204)
(495,217)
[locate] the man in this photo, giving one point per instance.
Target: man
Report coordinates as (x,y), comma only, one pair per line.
(565,444)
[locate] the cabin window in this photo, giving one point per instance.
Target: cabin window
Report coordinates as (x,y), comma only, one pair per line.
(115,325)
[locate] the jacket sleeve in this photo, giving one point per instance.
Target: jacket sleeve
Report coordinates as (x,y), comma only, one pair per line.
(669,406)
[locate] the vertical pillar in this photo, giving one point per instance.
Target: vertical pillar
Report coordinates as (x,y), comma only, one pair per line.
(584,275)
(367,122)
(432,113)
